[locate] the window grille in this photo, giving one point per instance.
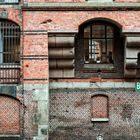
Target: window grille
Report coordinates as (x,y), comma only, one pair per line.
(9,52)
(98,43)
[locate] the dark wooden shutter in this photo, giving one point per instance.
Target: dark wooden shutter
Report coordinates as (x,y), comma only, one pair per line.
(61,55)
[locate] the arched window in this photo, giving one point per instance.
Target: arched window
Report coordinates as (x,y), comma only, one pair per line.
(98,42)
(9,42)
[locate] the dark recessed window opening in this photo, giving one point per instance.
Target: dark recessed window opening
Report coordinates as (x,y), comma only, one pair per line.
(139,56)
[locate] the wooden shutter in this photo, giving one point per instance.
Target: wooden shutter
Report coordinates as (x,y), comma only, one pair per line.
(61,55)
(132,49)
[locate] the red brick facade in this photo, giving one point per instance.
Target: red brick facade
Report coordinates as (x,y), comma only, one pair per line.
(28,116)
(128,20)
(9,115)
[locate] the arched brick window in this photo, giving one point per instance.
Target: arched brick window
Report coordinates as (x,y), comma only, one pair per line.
(9,115)
(99,108)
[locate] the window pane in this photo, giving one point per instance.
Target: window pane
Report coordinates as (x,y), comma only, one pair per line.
(98,31)
(86,50)
(94,48)
(109,32)
(87,32)
(100,49)
(110,50)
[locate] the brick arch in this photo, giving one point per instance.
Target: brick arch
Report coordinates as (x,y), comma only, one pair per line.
(102,19)
(10,20)
(9,115)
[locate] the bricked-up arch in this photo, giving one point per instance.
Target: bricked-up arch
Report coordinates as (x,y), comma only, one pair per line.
(99,108)
(9,115)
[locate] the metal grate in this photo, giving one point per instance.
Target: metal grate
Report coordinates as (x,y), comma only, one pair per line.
(9,52)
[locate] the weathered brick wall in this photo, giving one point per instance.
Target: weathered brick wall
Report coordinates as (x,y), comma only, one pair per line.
(69,20)
(35,64)
(30,108)
(70,115)
(12,14)
(9,115)
(10,107)
(35,81)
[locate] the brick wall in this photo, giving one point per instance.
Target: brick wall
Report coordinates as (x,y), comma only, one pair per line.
(10,107)
(30,129)
(35,79)
(69,20)
(35,55)
(70,114)
(9,115)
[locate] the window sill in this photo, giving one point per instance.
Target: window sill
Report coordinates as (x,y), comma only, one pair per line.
(98,67)
(11,137)
(99,119)
(9,65)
